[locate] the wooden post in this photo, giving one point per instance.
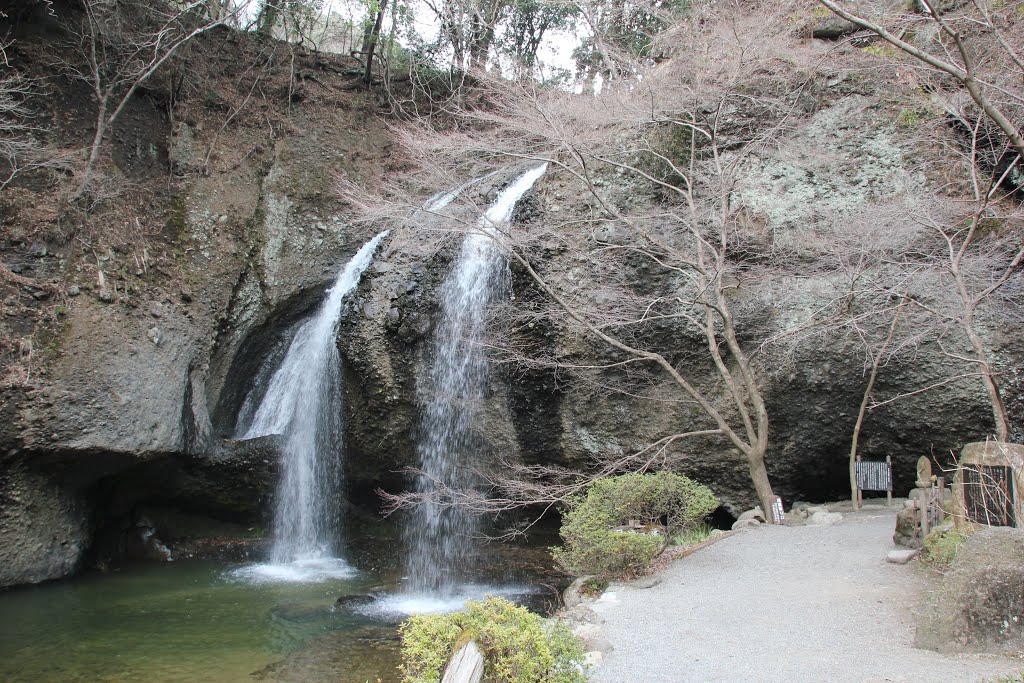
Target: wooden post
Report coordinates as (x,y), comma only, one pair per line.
(858,494)
(923,504)
(888,494)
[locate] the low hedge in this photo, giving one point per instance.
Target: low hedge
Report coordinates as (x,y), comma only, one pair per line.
(594,541)
(518,646)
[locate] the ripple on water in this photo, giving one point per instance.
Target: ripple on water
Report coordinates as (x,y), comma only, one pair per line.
(313,570)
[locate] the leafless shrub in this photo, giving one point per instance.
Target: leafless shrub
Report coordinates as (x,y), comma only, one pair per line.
(20,146)
(119,47)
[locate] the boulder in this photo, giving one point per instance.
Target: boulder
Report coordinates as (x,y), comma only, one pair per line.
(908,530)
(182,150)
(979,606)
(573,595)
(822,517)
(757,513)
(748,523)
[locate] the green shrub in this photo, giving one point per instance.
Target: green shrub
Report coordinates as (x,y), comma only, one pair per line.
(908,118)
(592,543)
(941,546)
(593,587)
(518,647)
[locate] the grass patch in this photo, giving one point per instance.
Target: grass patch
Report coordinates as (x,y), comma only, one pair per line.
(692,536)
(941,547)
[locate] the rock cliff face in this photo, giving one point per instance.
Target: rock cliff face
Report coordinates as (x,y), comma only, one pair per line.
(154,337)
(812,391)
(149,362)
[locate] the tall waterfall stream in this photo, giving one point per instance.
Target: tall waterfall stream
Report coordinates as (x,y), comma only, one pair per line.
(439,539)
(302,404)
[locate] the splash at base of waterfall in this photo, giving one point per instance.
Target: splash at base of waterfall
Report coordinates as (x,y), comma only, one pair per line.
(313,570)
(302,403)
(392,605)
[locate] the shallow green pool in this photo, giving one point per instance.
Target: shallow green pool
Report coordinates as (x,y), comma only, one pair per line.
(201,620)
(190,621)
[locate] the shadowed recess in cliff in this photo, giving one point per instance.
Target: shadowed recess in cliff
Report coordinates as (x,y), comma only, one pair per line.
(440,538)
(302,403)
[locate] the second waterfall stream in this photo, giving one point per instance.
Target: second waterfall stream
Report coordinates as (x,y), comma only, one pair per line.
(440,539)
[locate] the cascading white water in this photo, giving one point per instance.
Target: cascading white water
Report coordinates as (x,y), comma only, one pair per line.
(302,403)
(439,539)
(446,197)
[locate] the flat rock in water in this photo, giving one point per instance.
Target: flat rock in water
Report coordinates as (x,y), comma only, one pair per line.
(901,556)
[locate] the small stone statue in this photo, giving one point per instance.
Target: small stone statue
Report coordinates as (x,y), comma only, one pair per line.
(924,472)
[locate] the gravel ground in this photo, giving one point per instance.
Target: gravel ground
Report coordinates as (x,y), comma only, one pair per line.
(781,604)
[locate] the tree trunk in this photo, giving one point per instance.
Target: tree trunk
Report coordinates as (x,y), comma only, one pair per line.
(267,18)
(876,361)
(94,150)
(480,47)
(856,433)
(991,387)
(763,487)
(371,45)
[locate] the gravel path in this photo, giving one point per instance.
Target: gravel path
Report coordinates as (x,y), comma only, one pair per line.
(780,604)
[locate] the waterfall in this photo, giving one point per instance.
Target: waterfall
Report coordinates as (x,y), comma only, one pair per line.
(439,539)
(302,403)
(446,197)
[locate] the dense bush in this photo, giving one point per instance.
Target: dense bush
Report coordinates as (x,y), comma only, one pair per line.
(519,647)
(593,545)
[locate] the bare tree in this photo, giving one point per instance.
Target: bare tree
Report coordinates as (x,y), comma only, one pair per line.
(979,254)
(667,260)
(951,257)
(120,46)
(877,356)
